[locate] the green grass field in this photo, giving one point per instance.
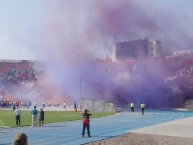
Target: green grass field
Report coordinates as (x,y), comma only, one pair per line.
(8,117)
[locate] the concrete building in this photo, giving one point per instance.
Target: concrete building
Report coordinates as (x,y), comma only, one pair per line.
(142,48)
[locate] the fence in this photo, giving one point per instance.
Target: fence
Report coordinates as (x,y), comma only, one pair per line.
(188,104)
(96,105)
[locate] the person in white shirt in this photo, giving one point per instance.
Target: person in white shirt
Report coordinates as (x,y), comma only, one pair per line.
(17,113)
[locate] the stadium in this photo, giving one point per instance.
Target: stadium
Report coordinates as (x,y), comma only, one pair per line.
(156,78)
(96,72)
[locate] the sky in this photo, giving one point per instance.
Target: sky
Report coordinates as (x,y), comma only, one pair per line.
(35,29)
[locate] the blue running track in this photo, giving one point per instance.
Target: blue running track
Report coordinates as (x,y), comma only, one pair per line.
(69,133)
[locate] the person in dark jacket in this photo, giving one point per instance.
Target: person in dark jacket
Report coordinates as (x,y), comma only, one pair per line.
(86,122)
(41,121)
(75,106)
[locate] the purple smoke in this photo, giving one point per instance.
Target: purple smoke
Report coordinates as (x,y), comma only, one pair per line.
(76,33)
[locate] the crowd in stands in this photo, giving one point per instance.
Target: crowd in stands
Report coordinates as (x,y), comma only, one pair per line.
(176,66)
(180,67)
(13,104)
(14,74)
(107,65)
(29,104)
(176,70)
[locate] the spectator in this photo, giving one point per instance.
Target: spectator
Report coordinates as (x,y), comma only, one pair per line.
(17,103)
(43,104)
(20,139)
(7,104)
(34,113)
(30,104)
(64,105)
(13,106)
(75,106)
(17,113)
(10,104)
(27,103)
(41,120)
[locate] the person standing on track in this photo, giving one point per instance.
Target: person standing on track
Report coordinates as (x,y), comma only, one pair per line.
(132,107)
(86,122)
(142,108)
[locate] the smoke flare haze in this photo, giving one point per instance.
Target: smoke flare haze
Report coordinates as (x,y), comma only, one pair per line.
(76,35)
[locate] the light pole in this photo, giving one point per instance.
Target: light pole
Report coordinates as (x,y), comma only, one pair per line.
(80,87)
(80,95)
(19,56)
